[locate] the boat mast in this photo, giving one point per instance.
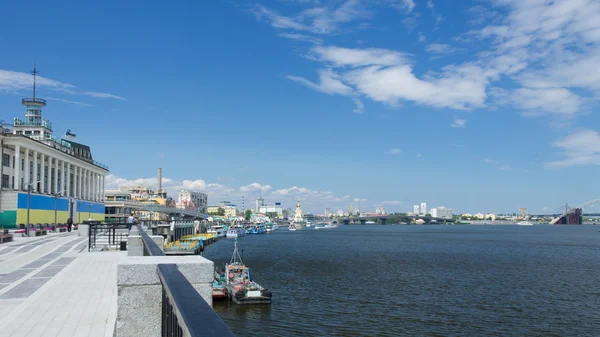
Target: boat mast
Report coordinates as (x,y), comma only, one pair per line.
(236,255)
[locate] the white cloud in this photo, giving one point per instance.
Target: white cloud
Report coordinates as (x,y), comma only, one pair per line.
(302,37)
(422,37)
(497,164)
(255,187)
(409,5)
(579,148)
(103,95)
(459,123)
(393,151)
(67,101)
(430,4)
(392,202)
(329,83)
(341,57)
(217,192)
(439,48)
(12,81)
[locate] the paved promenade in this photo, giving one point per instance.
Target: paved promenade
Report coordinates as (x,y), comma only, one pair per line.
(51,286)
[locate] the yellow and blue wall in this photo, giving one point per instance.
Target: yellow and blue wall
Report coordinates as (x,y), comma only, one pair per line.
(42,210)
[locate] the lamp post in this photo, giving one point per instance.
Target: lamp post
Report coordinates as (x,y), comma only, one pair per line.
(56,196)
(29,200)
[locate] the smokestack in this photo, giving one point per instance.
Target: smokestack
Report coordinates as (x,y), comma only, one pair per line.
(159,179)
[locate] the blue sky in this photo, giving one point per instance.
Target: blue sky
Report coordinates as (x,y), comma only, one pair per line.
(480,106)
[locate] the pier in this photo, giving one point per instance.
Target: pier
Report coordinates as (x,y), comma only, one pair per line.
(54,286)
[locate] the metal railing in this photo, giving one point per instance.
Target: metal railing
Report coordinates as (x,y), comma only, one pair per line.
(184,311)
(110,235)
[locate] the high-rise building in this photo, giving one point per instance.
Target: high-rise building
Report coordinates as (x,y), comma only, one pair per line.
(441,212)
(327,212)
(423,208)
(191,200)
(259,202)
(416,209)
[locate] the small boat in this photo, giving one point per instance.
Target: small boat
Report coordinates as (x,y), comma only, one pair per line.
(370,222)
(525,223)
(240,287)
(292,227)
(219,290)
(308,224)
(218,230)
(234,232)
(324,226)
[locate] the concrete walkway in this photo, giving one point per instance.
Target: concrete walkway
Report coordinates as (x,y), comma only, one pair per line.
(51,286)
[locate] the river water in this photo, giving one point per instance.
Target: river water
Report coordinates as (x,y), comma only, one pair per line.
(461,280)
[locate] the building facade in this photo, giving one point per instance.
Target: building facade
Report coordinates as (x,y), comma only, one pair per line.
(416,209)
(194,201)
(272,209)
(60,174)
(423,208)
(119,206)
(441,212)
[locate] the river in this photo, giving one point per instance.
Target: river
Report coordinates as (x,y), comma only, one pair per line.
(461,280)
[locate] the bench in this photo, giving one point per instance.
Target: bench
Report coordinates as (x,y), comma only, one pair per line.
(20,231)
(61,229)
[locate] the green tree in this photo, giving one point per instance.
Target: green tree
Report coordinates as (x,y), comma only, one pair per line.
(221,211)
(248,214)
(272,215)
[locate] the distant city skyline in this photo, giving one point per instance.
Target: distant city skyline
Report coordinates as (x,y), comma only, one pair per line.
(487,107)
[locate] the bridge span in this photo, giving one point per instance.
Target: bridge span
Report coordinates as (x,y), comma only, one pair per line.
(574,216)
(385,218)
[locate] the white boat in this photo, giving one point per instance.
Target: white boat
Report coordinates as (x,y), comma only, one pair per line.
(325,226)
(370,222)
(525,223)
(234,232)
(218,230)
(308,224)
(292,227)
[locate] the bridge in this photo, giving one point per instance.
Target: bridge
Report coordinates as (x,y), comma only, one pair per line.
(571,216)
(384,218)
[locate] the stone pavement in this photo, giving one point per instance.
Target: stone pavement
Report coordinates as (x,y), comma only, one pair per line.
(51,286)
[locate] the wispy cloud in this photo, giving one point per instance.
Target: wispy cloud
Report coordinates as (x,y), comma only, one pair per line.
(302,37)
(13,81)
(393,151)
(393,202)
(440,48)
(68,101)
(497,164)
(103,95)
(459,123)
(578,149)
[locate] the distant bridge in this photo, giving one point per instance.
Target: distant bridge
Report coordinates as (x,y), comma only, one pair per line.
(573,216)
(384,218)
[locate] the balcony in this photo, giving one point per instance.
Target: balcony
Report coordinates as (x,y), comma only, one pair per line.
(34,101)
(44,123)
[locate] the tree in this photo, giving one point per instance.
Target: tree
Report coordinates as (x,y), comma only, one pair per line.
(248,214)
(272,215)
(220,211)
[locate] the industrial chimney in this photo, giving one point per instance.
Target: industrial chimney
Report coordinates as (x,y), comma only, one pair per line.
(159,180)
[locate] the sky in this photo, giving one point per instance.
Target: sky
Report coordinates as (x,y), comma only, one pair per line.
(479,106)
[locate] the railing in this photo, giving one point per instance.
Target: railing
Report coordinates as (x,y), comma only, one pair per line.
(106,234)
(184,311)
(33,100)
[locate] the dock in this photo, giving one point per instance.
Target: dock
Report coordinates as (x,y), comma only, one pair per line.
(54,286)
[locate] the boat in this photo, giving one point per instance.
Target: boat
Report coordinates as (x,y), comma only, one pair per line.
(219,290)
(324,226)
(241,289)
(525,223)
(308,223)
(292,227)
(234,232)
(218,230)
(370,222)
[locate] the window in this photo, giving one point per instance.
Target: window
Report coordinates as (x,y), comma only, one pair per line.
(6,161)
(13,161)
(22,164)
(13,181)
(5,180)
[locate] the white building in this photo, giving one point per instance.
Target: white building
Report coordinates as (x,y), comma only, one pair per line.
(191,200)
(416,209)
(327,213)
(259,202)
(380,210)
(423,208)
(441,212)
(64,178)
(272,209)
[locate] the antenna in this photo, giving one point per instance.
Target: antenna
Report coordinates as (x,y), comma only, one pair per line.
(34,73)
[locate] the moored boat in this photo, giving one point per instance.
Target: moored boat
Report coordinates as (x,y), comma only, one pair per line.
(240,287)
(219,290)
(292,227)
(218,230)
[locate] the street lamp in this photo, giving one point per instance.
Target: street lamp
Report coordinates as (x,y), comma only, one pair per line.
(56,196)
(29,199)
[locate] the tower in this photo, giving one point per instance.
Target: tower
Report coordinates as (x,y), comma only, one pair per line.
(423,208)
(34,126)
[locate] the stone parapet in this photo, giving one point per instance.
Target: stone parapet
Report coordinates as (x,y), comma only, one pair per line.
(135,244)
(140,290)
